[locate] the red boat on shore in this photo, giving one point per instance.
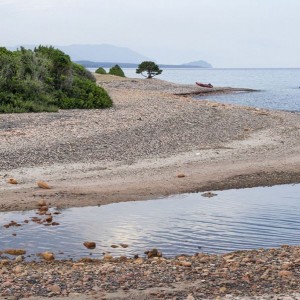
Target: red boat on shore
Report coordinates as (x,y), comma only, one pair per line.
(206,85)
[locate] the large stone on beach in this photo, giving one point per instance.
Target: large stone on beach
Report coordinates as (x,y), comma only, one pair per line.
(185,263)
(108,257)
(47,256)
(54,289)
(12,181)
(43,185)
(90,245)
(285,273)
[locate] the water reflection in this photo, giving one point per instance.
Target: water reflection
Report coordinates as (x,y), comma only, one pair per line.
(189,223)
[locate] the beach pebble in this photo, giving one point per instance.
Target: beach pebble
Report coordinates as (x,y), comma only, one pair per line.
(43,185)
(180,175)
(48,256)
(42,202)
(12,181)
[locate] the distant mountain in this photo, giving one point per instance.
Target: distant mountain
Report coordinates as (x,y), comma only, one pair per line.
(103,53)
(199,64)
(106,55)
(93,64)
(104,64)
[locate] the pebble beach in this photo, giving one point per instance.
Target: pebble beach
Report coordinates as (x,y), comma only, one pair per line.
(256,274)
(157,140)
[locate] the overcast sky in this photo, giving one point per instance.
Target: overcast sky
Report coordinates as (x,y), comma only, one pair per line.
(226,33)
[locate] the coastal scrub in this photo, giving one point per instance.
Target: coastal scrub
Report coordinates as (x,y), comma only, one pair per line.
(45,79)
(101,70)
(117,71)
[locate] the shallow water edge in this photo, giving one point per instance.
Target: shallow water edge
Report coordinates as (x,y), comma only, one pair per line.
(183,224)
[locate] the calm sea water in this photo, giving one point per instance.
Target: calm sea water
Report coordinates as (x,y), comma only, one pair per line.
(279,88)
(181,224)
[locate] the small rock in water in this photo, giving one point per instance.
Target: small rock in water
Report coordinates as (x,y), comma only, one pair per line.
(209,194)
(124,245)
(114,246)
(90,245)
(15,251)
(43,185)
(12,223)
(49,219)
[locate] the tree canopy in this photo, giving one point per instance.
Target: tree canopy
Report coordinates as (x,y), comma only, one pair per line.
(45,79)
(151,69)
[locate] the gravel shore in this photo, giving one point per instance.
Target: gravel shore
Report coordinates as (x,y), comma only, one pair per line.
(136,149)
(256,274)
(156,140)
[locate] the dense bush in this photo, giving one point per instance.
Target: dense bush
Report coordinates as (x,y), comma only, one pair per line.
(117,71)
(100,71)
(45,79)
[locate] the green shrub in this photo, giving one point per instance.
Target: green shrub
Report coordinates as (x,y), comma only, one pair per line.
(45,79)
(100,71)
(117,71)
(80,71)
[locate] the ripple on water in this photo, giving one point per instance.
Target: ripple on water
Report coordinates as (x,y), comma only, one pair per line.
(181,224)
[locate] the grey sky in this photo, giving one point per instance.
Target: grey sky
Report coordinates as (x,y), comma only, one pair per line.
(226,33)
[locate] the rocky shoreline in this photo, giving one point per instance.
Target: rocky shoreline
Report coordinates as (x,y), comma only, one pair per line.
(156,140)
(255,274)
